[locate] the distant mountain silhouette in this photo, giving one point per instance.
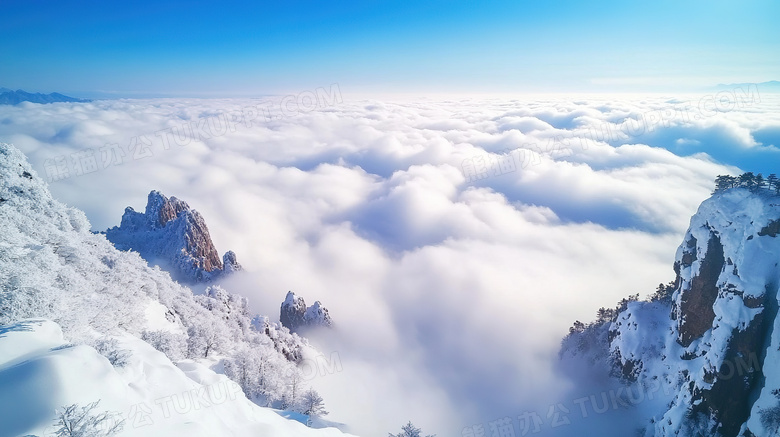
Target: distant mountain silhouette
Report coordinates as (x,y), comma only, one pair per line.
(770,86)
(10,97)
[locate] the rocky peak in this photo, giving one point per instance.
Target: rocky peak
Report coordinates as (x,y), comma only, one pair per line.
(160,209)
(295,315)
(292,311)
(317,315)
(230,263)
(175,236)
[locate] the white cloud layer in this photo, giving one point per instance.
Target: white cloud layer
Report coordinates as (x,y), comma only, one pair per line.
(450,296)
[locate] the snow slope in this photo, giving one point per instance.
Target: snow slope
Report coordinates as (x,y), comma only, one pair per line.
(40,372)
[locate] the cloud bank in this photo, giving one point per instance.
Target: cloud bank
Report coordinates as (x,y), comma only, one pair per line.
(453,241)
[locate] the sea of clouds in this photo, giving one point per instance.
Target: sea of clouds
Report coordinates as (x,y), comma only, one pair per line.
(454,241)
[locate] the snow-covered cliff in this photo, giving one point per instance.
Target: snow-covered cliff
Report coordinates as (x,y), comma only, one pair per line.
(713,342)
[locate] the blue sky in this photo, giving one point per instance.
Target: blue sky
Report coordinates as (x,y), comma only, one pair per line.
(206,48)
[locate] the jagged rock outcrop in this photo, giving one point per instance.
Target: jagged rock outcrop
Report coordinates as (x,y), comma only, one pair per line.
(713,343)
(230,263)
(295,315)
(175,236)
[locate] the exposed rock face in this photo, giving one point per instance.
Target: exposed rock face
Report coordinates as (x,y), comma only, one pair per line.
(728,399)
(712,346)
(295,315)
(292,311)
(772,229)
(169,232)
(696,302)
(160,209)
(724,310)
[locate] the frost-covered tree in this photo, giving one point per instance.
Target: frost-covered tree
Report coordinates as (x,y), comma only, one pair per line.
(623,304)
(231,308)
(577,327)
(773,183)
(753,182)
(409,430)
(206,338)
(109,348)
(295,388)
(663,292)
(174,346)
(759,181)
(265,376)
(245,369)
(312,404)
(23,302)
(77,421)
(604,315)
(748,180)
(724,182)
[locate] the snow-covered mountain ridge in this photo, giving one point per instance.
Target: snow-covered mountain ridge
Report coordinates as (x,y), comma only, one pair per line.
(713,340)
(11,97)
(139,336)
